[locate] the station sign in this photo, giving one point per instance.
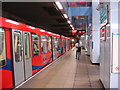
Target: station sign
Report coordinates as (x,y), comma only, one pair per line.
(104,16)
(74,32)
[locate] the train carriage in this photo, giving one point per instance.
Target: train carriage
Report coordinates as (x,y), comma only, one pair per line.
(42,50)
(24,50)
(23,53)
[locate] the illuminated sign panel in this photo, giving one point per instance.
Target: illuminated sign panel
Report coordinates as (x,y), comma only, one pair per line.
(81,31)
(74,32)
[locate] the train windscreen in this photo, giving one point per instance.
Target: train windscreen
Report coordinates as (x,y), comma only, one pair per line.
(2,48)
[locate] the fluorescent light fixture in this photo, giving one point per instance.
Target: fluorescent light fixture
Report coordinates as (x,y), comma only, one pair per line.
(68,21)
(73,28)
(90,24)
(42,30)
(59,5)
(73,40)
(65,15)
(31,27)
(13,22)
(71,25)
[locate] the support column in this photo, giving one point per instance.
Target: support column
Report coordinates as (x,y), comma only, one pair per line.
(95,52)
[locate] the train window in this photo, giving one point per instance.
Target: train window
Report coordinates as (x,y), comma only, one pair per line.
(49,43)
(27,46)
(36,46)
(43,44)
(53,43)
(18,46)
(2,48)
(57,44)
(64,42)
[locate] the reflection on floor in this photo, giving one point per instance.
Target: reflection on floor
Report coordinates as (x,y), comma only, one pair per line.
(68,73)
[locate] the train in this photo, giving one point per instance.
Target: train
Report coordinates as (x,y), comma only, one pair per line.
(25,50)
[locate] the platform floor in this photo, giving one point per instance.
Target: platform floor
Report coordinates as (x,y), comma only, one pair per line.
(68,73)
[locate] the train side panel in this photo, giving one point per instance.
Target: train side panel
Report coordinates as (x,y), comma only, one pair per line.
(7,70)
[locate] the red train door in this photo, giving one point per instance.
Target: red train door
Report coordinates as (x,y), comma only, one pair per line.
(21,55)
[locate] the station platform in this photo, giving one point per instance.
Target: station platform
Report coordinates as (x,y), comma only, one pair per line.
(67,72)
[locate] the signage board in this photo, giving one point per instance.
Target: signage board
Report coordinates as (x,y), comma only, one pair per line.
(104,16)
(116,53)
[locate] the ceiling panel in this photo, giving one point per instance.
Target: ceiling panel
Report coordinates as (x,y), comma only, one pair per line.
(39,14)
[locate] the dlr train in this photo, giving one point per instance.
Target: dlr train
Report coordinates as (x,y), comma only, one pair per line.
(25,50)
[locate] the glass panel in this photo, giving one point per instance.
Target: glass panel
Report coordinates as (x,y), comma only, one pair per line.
(43,44)
(27,46)
(36,46)
(49,43)
(53,43)
(57,43)
(18,46)
(2,48)
(64,42)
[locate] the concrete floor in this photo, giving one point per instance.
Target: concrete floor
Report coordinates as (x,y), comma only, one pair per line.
(68,73)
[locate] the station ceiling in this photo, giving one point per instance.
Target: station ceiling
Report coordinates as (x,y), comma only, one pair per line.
(43,15)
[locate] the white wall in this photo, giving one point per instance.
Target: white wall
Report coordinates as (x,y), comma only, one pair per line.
(114,30)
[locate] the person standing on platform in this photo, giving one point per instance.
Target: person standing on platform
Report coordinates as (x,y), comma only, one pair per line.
(78,50)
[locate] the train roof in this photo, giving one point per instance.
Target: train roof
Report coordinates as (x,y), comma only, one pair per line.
(7,23)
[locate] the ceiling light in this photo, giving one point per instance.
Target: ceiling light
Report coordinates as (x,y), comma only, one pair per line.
(68,21)
(71,25)
(73,40)
(65,15)
(59,5)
